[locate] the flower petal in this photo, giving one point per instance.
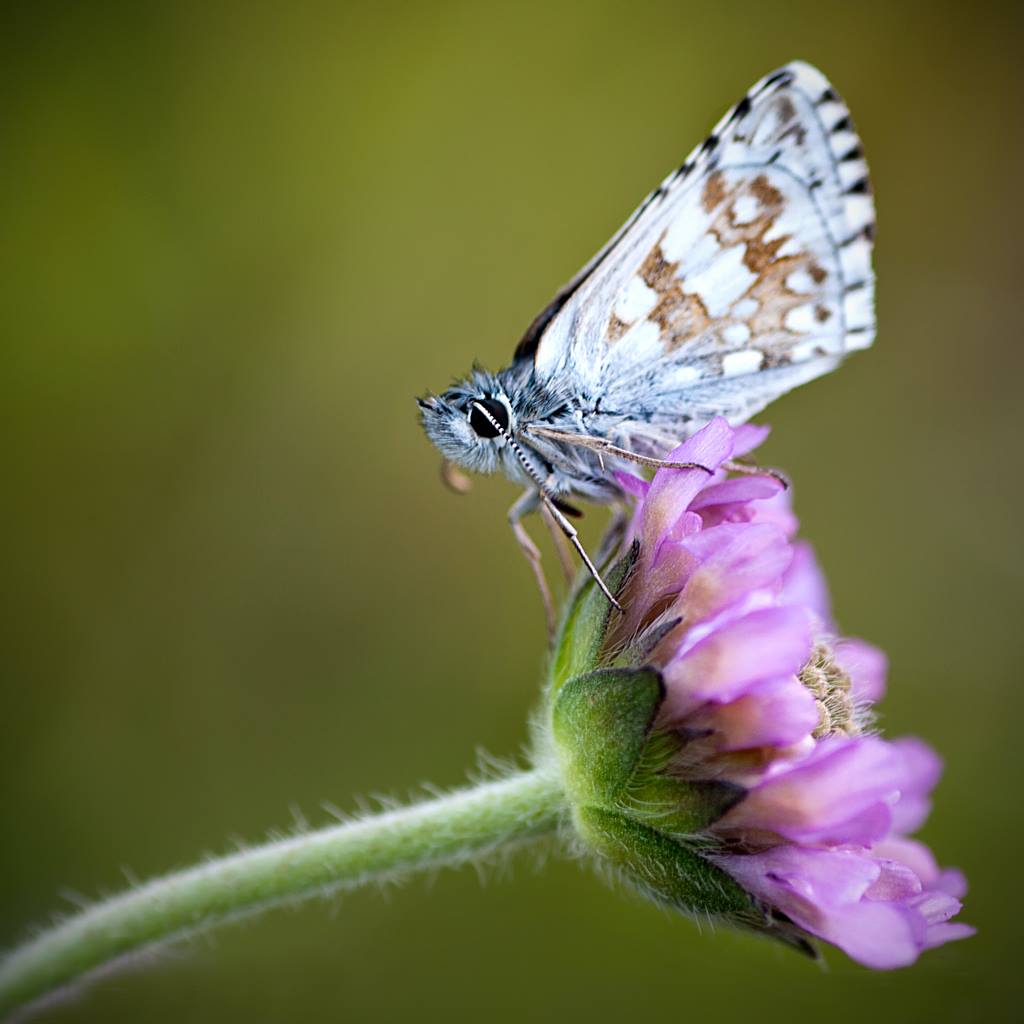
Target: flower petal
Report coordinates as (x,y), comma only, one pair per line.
(866,666)
(804,583)
(777,713)
(940,934)
(634,485)
(763,645)
(736,490)
(747,437)
(920,859)
(672,490)
(778,510)
(736,559)
(920,771)
(913,854)
(841,793)
(828,893)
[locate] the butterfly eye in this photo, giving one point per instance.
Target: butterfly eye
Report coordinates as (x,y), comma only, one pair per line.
(481,424)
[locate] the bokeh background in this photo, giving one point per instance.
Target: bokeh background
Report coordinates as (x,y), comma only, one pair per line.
(237,240)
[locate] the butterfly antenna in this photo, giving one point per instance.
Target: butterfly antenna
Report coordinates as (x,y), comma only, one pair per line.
(548,498)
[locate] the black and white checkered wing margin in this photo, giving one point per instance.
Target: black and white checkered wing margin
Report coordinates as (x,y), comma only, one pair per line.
(745,273)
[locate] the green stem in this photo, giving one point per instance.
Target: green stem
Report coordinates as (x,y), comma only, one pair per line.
(449,830)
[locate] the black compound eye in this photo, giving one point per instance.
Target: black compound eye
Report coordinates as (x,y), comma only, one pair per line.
(481,424)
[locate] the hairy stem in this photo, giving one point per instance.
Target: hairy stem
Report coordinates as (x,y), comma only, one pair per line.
(445,831)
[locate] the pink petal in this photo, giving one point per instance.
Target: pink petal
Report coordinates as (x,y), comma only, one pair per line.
(866,666)
(895,882)
(841,793)
(737,489)
(777,713)
(762,645)
(747,437)
(936,907)
(940,934)
(913,854)
(777,510)
(825,892)
(735,560)
(952,881)
(878,935)
(672,490)
(631,484)
(804,583)
(920,859)
(921,769)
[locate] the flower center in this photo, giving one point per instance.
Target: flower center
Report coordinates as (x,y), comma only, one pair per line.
(830,686)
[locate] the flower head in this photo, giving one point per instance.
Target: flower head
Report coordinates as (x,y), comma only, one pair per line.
(755,754)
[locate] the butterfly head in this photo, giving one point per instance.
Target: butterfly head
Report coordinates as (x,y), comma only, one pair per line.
(471,423)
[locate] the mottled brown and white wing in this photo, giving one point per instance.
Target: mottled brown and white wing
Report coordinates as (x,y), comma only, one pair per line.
(746,273)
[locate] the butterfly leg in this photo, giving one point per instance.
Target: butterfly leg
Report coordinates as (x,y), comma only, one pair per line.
(751,469)
(646,460)
(528,502)
(561,548)
(604,447)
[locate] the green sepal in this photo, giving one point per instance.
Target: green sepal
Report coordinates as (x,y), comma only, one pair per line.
(601,722)
(664,868)
(581,636)
(639,652)
(677,807)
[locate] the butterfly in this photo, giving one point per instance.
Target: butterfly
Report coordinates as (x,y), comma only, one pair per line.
(745,273)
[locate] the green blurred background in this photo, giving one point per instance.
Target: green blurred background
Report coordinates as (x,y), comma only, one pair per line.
(237,241)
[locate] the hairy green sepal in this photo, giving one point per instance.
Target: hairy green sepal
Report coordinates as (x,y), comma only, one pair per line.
(578,646)
(630,813)
(629,808)
(601,723)
(661,867)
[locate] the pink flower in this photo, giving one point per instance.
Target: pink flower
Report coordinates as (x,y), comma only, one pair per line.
(763,694)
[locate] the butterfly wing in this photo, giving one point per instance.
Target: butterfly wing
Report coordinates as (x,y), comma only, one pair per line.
(745,273)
